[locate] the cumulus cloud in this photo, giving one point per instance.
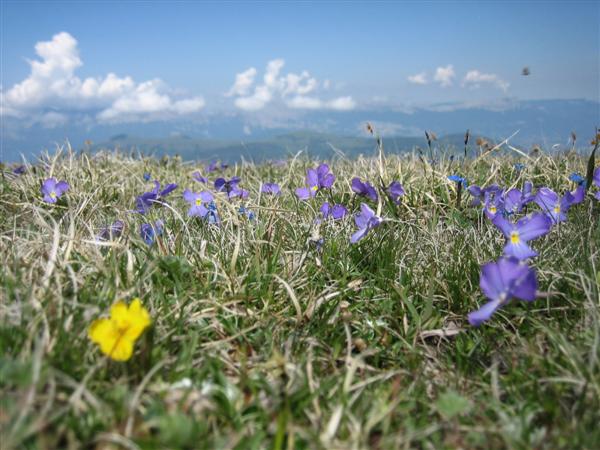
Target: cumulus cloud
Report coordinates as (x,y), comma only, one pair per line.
(53,85)
(444,75)
(243,82)
(305,102)
(474,79)
(419,78)
(296,91)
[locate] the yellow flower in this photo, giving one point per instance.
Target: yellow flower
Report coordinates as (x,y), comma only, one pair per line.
(117,334)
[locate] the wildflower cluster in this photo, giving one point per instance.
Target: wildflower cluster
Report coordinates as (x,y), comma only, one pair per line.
(522,215)
(510,276)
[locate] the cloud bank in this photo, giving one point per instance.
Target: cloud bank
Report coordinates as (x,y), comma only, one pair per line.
(295,91)
(474,79)
(52,92)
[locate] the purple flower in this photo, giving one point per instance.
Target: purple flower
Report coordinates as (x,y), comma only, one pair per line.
(337,212)
(500,282)
(493,204)
(147,176)
(519,167)
(19,170)
(479,193)
(197,201)
(148,232)
(518,234)
(556,208)
(395,191)
(364,189)
(113,231)
(199,178)
(578,194)
(527,196)
(597,181)
(317,179)
(52,190)
(270,188)
(365,221)
(230,187)
(212,167)
(145,201)
(513,201)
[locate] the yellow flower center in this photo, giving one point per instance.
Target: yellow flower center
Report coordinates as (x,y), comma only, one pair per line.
(557,209)
(514,237)
(493,209)
(198,201)
(315,188)
(53,194)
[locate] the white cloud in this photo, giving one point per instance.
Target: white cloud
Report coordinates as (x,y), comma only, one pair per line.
(290,89)
(243,82)
(444,75)
(305,102)
(474,79)
(342,103)
(419,78)
(52,84)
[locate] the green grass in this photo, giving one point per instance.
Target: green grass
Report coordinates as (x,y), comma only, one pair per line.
(259,340)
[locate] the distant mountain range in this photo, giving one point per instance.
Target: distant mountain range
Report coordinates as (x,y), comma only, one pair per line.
(316,144)
(258,136)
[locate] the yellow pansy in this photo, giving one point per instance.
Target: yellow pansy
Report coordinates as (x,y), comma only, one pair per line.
(117,334)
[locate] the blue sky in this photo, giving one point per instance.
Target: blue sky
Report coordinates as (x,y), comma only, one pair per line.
(329,56)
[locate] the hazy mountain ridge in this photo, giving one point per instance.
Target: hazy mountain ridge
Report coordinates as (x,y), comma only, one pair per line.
(544,122)
(320,145)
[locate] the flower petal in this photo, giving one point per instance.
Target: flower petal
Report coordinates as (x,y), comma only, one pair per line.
(476,318)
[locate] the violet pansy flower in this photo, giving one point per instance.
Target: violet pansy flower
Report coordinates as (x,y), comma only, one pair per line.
(364,189)
(52,190)
(395,191)
(518,234)
(597,181)
(230,187)
(554,206)
(270,188)
(513,201)
(366,220)
(578,194)
(19,170)
(494,204)
(149,232)
(336,212)
(145,201)
(321,178)
(197,202)
(500,282)
(199,178)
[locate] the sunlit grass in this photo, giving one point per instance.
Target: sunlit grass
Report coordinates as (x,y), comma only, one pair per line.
(261,338)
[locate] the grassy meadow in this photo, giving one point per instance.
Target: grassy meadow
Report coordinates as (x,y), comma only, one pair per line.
(274,331)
